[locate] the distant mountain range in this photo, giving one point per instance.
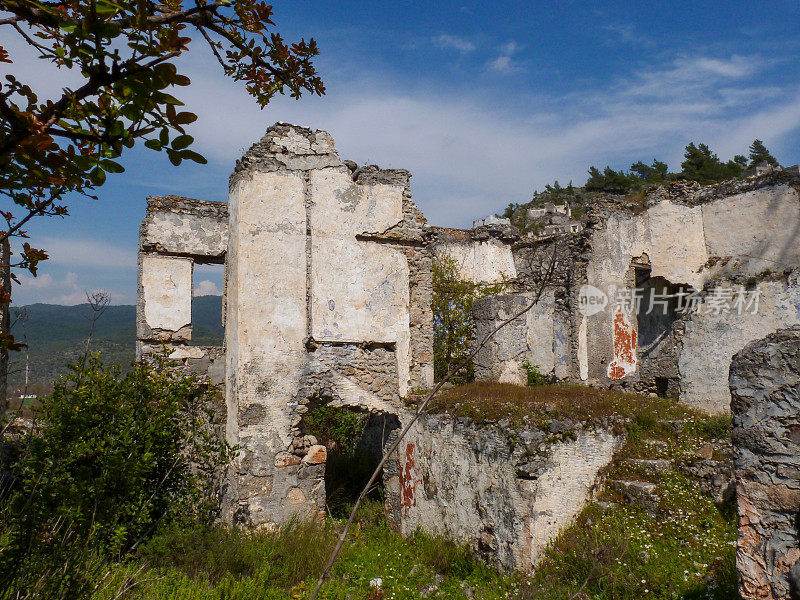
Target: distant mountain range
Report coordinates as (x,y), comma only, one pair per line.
(56,336)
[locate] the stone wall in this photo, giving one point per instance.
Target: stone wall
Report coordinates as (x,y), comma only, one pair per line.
(506,493)
(765,405)
(702,246)
(328,301)
(531,338)
(175,234)
(732,235)
(482,254)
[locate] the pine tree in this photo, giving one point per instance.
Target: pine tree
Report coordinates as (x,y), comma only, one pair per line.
(759,154)
(702,165)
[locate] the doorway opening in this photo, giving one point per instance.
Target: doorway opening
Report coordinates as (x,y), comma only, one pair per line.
(354,440)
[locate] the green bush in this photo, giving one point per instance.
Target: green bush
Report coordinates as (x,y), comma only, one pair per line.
(112,457)
(331,426)
(349,465)
(453,298)
(298,550)
(534,375)
(716,427)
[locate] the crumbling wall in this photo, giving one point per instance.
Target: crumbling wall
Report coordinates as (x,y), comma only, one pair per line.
(531,338)
(719,237)
(329,301)
(175,234)
(506,493)
(726,258)
(765,406)
(482,254)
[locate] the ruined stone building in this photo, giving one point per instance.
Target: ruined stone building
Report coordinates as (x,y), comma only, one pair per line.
(327,300)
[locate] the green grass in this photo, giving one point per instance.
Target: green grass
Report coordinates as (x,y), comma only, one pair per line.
(218,564)
(625,553)
(686,551)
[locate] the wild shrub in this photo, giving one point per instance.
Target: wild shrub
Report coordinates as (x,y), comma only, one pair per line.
(453,298)
(112,457)
(336,426)
(533,375)
(297,551)
(348,465)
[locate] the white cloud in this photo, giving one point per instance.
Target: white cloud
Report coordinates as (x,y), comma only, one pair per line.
(471,153)
(505,64)
(206,288)
(49,290)
(501,64)
(625,33)
(452,42)
(471,156)
(685,76)
(76,253)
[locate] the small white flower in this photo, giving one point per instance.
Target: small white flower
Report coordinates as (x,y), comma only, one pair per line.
(376,583)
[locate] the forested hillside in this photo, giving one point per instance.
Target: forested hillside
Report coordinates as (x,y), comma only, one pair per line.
(56,335)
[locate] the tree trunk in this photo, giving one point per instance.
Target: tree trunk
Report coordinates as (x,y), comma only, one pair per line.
(5,319)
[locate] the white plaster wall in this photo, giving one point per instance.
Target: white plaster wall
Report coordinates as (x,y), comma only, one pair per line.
(463,484)
(565,486)
(583,351)
(186,233)
(760,229)
(671,235)
(266,308)
(359,289)
(167,292)
(481,261)
(677,246)
(745,234)
(540,333)
(711,340)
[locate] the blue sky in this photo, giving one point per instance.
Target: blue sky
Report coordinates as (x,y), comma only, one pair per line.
(482,102)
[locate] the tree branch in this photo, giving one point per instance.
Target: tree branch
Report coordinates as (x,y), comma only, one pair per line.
(39,209)
(45,18)
(96,82)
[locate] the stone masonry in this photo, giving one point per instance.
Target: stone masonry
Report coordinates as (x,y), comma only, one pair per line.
(765,402)
(708,247)
(328,300)
(506,492)
(175,234)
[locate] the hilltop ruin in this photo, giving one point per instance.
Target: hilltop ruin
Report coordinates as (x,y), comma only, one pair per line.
(327,300)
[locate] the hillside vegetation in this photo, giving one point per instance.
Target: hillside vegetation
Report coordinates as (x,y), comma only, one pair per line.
(56,336)
(700,165)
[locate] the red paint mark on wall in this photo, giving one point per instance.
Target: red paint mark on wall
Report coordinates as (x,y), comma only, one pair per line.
(624,333)
(407,485)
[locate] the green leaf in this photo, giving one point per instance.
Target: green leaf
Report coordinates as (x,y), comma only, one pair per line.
(184,118)
(174,157)
(194,156)
(181,142)
(111,167)
(98,176)
(163,137)
(153,145)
